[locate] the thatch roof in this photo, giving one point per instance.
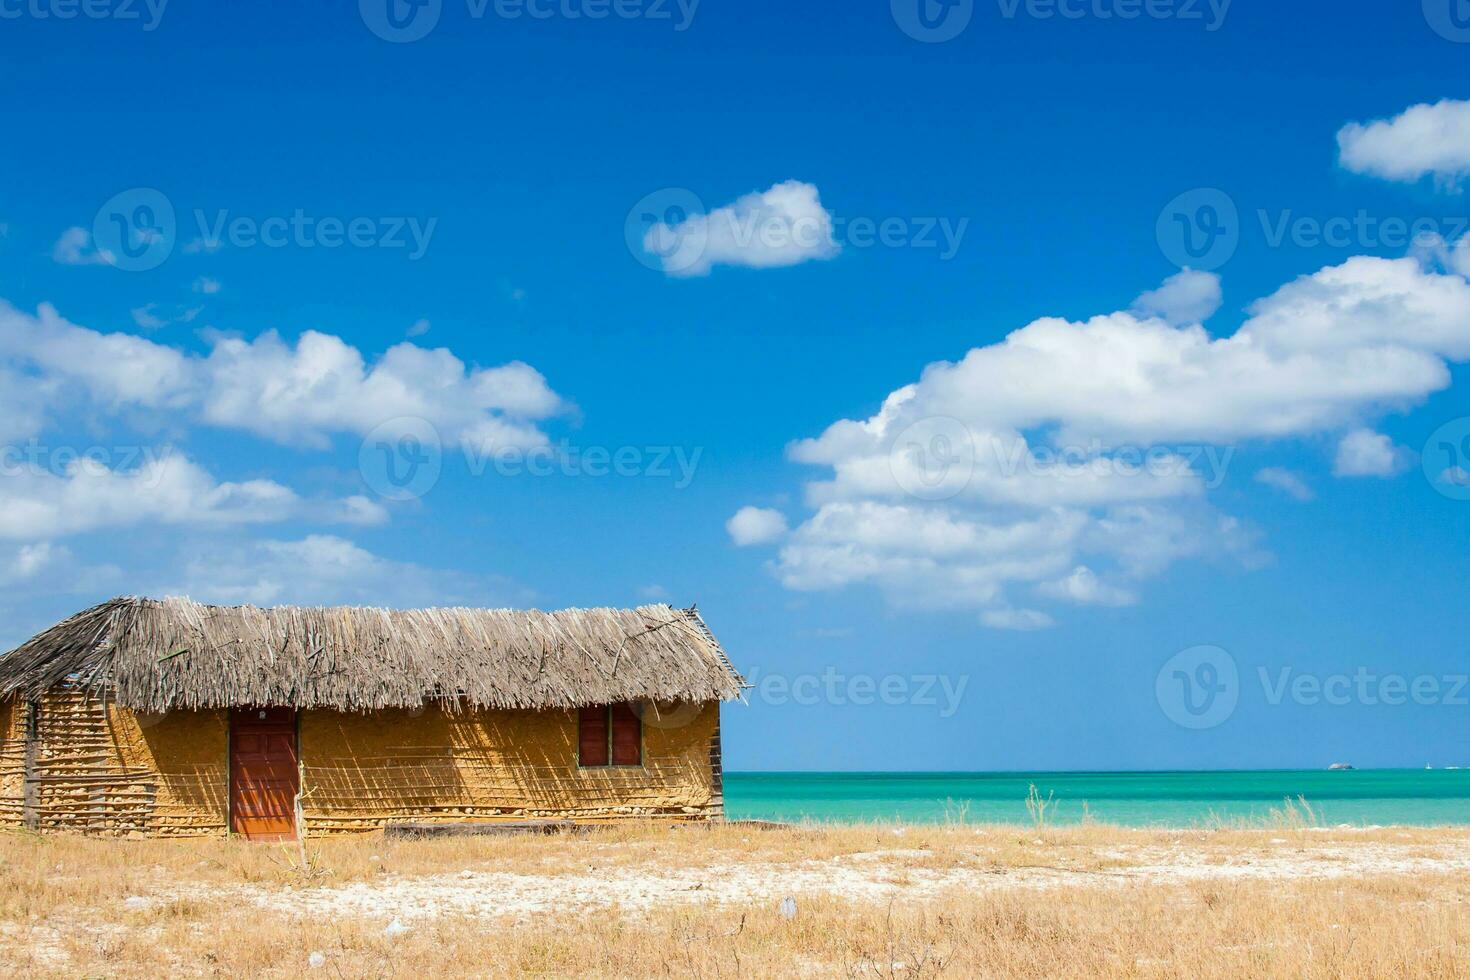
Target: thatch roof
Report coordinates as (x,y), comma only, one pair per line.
(158,654)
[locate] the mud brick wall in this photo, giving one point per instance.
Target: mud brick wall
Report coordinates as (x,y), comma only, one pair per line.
(97,768)
(437,766)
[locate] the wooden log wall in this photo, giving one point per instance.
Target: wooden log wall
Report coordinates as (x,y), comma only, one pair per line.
(12,763)
(94,768)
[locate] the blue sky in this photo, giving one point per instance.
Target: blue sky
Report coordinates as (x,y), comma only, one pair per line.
(1295,526)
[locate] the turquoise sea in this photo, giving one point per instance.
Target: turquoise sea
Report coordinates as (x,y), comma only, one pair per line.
(1361,797)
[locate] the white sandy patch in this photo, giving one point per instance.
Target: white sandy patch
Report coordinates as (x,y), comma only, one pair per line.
(871,876)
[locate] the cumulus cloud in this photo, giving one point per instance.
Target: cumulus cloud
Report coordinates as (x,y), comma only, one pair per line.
(1021,620)
(1075,459)
(1363,452)
(1286,481)
(1185,297)
(74,247)
(154,316)
(37,505)
(1082,586)
(783,225)
(299,393)
(756,525)
(1422,140)
(323,569)
(28,560)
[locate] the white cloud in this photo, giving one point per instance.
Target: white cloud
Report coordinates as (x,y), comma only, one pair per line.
(37,505)
(297,394)
(202,245)
(1021,620)
(756,525)
(115,370)
(1095,443)
(27,561)
(1185,297)
(783,225)
(155,316)
(1363,452)
(1286,481)
(1456,476)
(323,569)
(1422,140)
(654,593)
(1083,587)
(418,328)
(22,397)
(74,247)
(206,285)
(302,393)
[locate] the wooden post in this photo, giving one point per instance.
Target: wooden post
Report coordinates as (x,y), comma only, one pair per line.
(31,792)
(717,770)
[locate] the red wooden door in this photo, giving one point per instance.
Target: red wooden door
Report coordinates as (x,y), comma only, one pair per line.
(264,777)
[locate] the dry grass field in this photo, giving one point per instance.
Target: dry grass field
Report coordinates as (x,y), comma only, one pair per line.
(872,901)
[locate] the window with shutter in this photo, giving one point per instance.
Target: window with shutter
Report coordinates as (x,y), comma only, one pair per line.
(609,735)
(627,736)
(592,736)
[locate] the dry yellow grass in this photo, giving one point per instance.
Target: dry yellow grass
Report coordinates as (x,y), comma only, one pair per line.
(658,901)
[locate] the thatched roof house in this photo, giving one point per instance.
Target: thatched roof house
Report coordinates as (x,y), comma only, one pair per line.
(171,717)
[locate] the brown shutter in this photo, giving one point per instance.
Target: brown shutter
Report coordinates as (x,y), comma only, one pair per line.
(627,736)
(592,736)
